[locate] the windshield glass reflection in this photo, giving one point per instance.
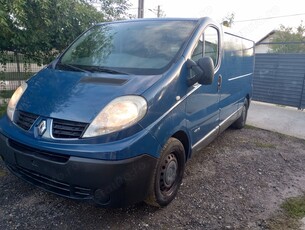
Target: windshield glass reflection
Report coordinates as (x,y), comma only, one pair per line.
(141,47)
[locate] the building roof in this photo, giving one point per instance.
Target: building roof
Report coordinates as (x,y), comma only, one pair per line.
(266,36)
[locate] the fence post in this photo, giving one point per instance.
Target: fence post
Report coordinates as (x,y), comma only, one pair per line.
(18,66)
(17,62)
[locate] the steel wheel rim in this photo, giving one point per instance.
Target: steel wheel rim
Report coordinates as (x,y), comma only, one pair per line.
(169,173)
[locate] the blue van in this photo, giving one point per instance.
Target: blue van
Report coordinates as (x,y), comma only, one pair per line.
(116,116)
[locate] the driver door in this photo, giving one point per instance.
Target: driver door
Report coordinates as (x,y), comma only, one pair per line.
(202,106)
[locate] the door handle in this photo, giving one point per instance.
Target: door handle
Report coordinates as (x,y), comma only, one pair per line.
(219,82)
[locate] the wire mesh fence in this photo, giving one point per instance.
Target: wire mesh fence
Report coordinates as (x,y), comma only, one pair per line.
(15,69)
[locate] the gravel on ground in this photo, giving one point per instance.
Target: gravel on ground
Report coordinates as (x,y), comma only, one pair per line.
(238,182)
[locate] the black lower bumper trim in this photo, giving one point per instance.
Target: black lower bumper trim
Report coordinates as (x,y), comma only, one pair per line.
(52,185)
(109,183)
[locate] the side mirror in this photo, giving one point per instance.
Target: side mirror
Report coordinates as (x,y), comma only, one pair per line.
(203,69)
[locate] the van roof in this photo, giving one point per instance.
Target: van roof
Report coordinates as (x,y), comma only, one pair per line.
(152,19)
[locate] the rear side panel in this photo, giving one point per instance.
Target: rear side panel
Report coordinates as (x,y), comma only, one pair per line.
(237,73)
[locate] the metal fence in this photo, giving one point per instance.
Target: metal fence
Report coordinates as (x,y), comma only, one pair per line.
(14,69)
(280,79)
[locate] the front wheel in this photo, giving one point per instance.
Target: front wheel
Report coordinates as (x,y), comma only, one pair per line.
(168,174)
(241,121)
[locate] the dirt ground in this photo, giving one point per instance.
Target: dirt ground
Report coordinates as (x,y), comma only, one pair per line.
(237,182)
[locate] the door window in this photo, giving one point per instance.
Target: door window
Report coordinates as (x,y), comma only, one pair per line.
(198,51)
(208,45)
(211,44)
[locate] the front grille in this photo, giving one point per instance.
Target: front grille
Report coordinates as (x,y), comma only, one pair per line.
(68,129)
(52,185)
(25,120)
(38,153)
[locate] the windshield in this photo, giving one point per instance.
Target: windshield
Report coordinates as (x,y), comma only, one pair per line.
(139,47)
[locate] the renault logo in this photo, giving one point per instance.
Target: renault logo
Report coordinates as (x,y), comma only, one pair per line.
(42,127)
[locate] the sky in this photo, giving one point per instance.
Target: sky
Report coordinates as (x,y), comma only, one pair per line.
(243,10)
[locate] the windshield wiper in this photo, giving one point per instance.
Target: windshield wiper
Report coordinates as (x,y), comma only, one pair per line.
(105,70)
(72,67)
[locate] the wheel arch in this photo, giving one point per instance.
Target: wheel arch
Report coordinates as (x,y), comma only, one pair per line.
(184,139)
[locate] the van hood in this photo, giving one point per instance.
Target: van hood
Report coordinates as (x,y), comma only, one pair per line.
(78,96)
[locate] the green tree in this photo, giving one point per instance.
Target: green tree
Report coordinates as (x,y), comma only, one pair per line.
(289,40)
(113,9)
(40,29)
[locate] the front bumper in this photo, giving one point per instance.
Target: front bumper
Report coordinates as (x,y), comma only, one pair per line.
(109,183)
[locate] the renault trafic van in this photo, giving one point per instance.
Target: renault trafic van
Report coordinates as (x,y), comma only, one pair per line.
(117,115)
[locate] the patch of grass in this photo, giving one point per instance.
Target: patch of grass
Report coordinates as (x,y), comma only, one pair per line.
(295,207)
(2,109)
(293,212)
(6,93)
(265,145)
(250,127)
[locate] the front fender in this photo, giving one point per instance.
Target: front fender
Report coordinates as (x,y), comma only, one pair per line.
(168,125)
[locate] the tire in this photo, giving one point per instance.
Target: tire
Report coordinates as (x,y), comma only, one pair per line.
(168,174)
(241,121)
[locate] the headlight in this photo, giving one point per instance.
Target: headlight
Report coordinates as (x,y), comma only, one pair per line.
(120,113)
(14,100)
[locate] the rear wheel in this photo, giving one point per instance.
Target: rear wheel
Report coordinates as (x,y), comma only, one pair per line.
(241,121)
(168,174)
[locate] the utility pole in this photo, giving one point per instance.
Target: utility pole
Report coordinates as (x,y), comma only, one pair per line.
(141,9)
(157,11)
